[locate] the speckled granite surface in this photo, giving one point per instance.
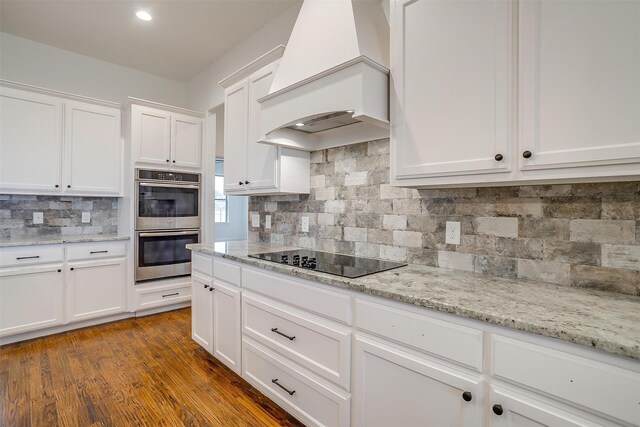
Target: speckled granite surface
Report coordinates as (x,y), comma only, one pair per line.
(56,240)
(595,319)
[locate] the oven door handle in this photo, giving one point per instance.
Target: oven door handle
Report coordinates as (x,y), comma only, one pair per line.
(153,184)
(168,233)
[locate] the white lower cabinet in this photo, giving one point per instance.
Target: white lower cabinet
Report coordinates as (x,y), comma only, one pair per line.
(215,313)
(96,288)
(226,325)
(395,387)
(334,357)
(31,298)
(201,312)
(517,410)
(312,401)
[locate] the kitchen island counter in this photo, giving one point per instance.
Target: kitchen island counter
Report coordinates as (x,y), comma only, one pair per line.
(600,320)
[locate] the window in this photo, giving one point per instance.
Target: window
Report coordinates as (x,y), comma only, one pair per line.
(221,201)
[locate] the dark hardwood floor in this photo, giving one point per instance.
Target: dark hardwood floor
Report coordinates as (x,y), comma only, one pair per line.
(139,372)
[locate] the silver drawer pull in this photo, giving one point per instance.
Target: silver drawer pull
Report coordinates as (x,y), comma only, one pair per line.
(170,295)
(275,381)
(98,252)
(28,257)
(280,333)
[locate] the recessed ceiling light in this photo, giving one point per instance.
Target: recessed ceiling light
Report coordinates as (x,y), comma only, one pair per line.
(143,15)
(299,124)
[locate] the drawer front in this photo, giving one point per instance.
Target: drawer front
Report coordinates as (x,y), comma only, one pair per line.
(83,251)
(305,398)
(164,296)
(202,264)
(314,344)
(226,271)
(454,342)
(334,305)
(29,255)
(595,385)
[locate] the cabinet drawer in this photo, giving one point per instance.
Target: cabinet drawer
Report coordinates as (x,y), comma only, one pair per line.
(95,250)
(226,271)
(454,342)
(595,385)
(166,295)
(313,343)
(333,305)
(202,264)
(307,399)
(28,255)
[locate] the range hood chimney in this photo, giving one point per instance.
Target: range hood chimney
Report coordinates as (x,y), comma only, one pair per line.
(332,85)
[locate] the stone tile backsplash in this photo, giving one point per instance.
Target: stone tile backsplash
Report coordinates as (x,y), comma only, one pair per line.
(585,235)
(62,216)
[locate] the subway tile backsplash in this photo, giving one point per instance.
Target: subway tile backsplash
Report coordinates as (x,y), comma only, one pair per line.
(585,235)
(62,216)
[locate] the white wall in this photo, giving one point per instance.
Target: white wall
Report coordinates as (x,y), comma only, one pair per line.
(203,91)
(37,64)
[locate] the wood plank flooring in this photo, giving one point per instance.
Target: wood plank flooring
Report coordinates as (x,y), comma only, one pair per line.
(143,371)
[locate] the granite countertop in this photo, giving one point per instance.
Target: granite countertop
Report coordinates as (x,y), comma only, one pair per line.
(600,320)
(56,240)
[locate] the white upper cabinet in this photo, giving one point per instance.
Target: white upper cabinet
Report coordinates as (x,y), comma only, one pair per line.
(30,142)
(93,149)
(262,159)
(452,85)
(457,118)
(168,137)
(251,167)
(235,137)
(57,145)
(579,88)
(151,129)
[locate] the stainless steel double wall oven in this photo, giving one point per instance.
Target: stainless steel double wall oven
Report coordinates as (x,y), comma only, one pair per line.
(167,219)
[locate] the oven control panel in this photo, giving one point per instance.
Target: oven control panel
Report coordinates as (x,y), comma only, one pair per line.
(158,175)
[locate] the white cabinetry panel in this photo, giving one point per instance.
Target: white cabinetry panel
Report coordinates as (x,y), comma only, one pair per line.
(96,288)
(262,159)
(30,142)
(579,84)
(202,312)
(394,388)
(235,136)
(187,138)
(151,134)
(226,325)
(93,149)
(452,87)
(31,298)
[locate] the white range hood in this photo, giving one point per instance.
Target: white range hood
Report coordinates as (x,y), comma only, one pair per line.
(332,85)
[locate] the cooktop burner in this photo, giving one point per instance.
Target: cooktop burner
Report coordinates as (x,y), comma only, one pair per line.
(324,262)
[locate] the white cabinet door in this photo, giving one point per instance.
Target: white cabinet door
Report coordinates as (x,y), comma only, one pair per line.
(96,288)
(30,142)
(235,137)
(452,87)
(226,326)
(519,411)
(93,150)
(151,135)
(31,298)
(262,159)
(202,313)
(579,89)
(395,388)
(186,141)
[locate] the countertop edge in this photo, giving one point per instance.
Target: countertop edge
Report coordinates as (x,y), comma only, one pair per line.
(64,240)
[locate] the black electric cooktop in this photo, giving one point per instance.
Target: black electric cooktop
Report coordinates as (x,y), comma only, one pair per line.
(324,262)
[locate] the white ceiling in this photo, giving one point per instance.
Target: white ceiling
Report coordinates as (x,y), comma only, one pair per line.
(181,40)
